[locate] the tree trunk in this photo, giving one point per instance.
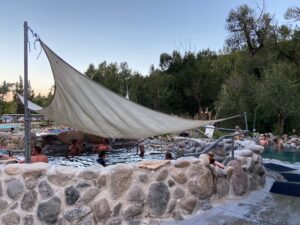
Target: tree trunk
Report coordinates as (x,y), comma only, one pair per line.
(280,123)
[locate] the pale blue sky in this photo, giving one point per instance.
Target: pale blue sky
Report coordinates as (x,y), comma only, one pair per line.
(135,31)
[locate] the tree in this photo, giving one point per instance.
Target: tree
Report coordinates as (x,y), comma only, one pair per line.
(247,30)
(292,14)
(4,91)
(278,94)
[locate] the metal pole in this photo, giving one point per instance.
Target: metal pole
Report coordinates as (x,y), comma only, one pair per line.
(26,110)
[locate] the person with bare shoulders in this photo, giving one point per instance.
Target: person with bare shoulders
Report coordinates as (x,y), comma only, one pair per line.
(38,156)
(213,161)
(104,147)
(74,148)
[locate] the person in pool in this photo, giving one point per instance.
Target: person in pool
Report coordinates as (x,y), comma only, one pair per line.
(74,148)
(101,157)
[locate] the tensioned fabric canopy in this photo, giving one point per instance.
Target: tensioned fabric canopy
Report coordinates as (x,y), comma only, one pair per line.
(83,104)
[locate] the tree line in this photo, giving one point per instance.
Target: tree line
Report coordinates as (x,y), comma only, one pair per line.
(256,72)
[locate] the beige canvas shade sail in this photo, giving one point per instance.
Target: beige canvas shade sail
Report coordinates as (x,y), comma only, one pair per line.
(83,104)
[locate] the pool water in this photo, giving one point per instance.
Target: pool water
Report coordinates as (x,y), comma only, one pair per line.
(286,156)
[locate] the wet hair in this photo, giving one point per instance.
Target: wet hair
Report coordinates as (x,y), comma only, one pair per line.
(168,155)
(38,149)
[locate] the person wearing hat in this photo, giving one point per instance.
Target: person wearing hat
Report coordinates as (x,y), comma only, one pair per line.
(213,161)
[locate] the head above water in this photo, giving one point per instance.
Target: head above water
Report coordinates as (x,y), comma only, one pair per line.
(37,149)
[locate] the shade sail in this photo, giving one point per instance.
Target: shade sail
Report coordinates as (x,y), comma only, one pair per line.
(81,103)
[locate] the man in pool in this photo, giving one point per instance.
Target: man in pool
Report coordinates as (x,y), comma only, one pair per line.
(74,148)
(101,157)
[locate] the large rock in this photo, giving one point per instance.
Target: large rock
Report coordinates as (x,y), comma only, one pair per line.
(28,220)
(188,204)
(31,182)
(89,195)
(158,198)
(29,200)
(162,175)
(202,185)
(239,180)
(35,170)
(178,193)
(136,194)
(256,148)
(15,189)
(222,187)
(143,177)
(204,159)
(120,180)
(179,177)
(243,152)
(11,218)
(48,210)
(117,208)
(3,204)
(101,209)
(71,195)
(45,190)
(181,163)
(133,210)
(12,169)
(88,174)
(76,213)
(61,175)
(101,181)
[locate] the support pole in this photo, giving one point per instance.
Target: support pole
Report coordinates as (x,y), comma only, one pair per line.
(26,110)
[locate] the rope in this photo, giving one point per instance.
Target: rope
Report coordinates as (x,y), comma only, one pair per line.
(37,39)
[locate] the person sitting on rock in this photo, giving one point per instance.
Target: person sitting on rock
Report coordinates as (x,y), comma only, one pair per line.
(213,161)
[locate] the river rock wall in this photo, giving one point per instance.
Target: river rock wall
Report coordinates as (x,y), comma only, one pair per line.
(149,192)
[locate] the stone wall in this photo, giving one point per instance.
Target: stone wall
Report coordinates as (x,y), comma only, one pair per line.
(122,194)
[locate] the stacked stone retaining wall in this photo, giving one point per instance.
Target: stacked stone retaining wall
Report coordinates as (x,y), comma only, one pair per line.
(38,194)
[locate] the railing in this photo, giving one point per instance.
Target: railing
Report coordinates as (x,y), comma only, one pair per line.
(214,144)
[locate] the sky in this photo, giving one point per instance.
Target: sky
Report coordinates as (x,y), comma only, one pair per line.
(133,31)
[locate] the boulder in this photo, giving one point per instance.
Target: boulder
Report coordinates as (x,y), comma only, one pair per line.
(71,195)
(188,204)
(133,210)
(89,195)
(12,169)
(11,218)
(162,175)
(3,204)
(76,213)
(62,175)
(179,177)
(158,198)
(15,189)
(88,174)
(48,210)
(136,194)
(29,200)
(178,193)
(120,180)
(101,209)
(202,185)
(45,190)
(239,180)
(101,181)
(181,163)
(143,177)
(28,220)
(243,152)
